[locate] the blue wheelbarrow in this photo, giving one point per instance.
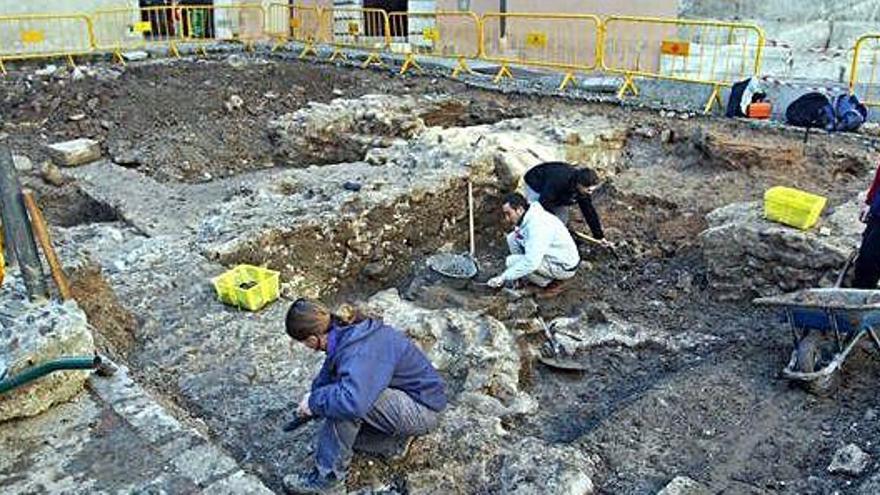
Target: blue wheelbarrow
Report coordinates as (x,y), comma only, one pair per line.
(822,318)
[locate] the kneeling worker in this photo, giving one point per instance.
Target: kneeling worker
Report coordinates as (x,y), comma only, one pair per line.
(558,185)
(541,248)
(375,391)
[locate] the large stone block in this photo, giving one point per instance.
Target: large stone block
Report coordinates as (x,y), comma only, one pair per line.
(31,335)
(748,256)
(76,152)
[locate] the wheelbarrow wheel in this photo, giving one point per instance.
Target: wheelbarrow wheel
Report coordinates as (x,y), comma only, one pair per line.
(808,353)
(809,360)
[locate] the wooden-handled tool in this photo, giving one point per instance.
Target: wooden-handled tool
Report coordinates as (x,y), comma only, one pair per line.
(606,244)
(41,232)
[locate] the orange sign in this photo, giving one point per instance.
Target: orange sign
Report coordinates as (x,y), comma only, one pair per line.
(675,48)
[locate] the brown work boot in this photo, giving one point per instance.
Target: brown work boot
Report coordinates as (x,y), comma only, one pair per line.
(551,290)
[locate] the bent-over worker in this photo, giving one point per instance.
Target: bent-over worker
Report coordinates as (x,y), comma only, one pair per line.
(376,390)
(541,248)
(558,185)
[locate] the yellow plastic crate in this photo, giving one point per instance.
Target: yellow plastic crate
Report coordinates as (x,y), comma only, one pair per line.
(247,286)
(793,207)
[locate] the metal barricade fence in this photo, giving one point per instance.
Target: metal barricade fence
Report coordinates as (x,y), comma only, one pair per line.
(453,35)
(298,23)
(44,36)
(118,30)
(244,23)
(362,29)
(282,23)
(705,52)
(565,42)
(865,71)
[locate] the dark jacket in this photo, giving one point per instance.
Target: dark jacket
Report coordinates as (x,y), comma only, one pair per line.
(873,199)
(554,183)
(368,358)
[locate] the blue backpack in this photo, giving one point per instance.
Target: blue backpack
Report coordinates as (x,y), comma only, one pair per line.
(849,113)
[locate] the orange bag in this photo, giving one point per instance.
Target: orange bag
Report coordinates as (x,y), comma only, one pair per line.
(759,110)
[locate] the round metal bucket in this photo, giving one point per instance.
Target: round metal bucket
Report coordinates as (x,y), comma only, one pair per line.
(455,269)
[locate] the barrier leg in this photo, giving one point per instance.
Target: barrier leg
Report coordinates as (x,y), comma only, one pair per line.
(202,50)
(373,58)
(628,84)
(309,48)
(278,42)
(117,55)
(172,48)
(410,61)
(461,67)
(713,98)
(502,73)
(70,61)
(2,67)
(569,78)
(337,55)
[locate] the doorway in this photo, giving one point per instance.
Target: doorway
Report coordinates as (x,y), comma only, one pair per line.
(389,6)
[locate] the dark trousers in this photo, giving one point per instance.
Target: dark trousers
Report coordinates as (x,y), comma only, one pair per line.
(867,269)
(394,417)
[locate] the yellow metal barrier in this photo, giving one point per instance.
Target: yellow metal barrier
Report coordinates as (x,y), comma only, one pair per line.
(43,36)
(363,29)
(245,23)
(306,25)
(436,34)
(567,42)
(705,52)
(118,30)
(864,71)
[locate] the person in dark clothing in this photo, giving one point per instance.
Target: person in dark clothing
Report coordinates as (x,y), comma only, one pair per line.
(376,390)
(558,185)
(867,267)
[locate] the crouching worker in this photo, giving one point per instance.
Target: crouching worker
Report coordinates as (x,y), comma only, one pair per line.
(375,391)
(541,248)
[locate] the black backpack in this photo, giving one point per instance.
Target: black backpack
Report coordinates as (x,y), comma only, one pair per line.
(811,110)
(733,102)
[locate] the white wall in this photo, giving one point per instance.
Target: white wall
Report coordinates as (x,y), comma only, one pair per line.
(820,32)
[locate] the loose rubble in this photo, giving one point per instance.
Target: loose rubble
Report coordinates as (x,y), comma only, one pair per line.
(850,460)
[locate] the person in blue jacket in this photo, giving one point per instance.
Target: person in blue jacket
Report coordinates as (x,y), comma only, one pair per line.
(375,391)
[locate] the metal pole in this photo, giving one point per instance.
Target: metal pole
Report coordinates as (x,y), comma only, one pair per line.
(17,227)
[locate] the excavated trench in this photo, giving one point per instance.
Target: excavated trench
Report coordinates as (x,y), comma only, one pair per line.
(650,410)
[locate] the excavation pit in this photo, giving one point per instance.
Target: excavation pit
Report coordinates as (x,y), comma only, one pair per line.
(683,386)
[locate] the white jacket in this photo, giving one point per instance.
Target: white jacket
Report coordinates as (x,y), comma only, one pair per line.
(542,235)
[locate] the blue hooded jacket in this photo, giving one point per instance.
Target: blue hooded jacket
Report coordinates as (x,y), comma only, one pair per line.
(368,358)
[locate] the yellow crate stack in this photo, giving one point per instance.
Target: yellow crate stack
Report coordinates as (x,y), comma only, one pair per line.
(793,207)
(247,286)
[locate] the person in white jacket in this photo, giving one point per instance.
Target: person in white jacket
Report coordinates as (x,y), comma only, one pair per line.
(541,248)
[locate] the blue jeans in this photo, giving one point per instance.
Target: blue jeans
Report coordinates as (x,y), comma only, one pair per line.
(394,417)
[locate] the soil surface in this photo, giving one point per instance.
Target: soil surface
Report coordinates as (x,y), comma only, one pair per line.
(718,413)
